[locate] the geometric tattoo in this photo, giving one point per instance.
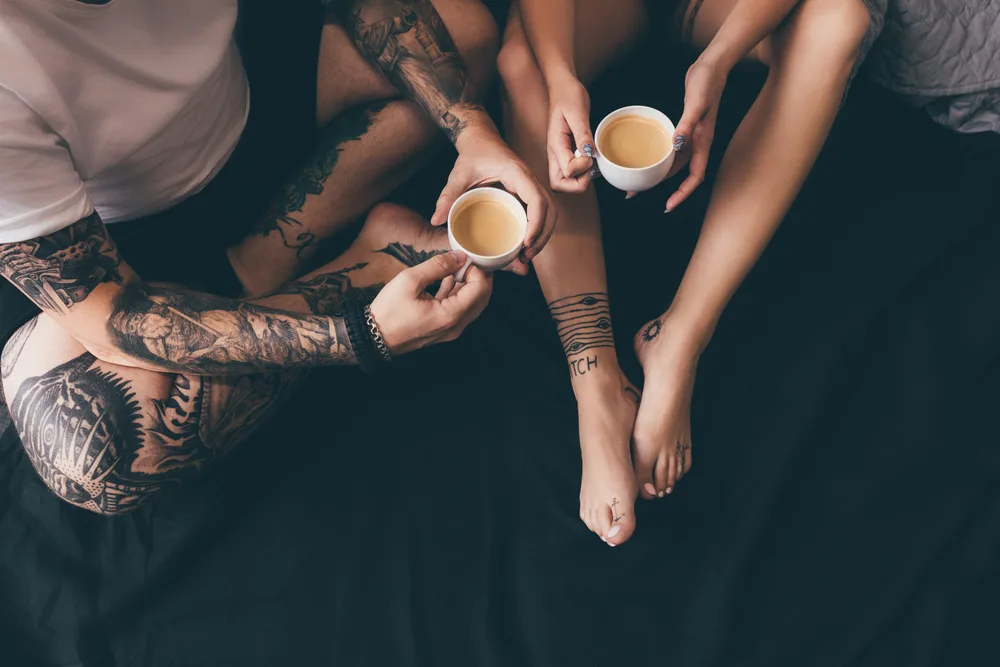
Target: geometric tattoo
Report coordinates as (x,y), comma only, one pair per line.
(96,446)
(652,330)
(583,321)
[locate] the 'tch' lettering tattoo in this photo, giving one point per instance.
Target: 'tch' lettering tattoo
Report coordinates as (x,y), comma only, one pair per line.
(98,446)
(652,330)
(409,43)
(582,365)
(188,332)
(583,322)
(60,270)
(284,216)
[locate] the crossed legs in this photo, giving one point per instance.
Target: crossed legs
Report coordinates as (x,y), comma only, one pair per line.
(108,438)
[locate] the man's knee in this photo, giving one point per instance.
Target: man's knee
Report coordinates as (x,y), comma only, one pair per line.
(831,31)
(476,36)
(81,427)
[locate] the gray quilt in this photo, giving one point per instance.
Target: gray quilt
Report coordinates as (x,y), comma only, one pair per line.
(943,55)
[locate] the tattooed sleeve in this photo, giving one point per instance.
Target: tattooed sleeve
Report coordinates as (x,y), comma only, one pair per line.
(409,43)
(189,332)
(99,447)
(60,270)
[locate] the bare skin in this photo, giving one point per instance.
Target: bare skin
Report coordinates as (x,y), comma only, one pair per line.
(572,266)
(762,172)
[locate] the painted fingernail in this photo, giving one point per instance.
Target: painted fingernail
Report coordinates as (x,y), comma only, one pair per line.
(614,531)
(679,141)
(670,489)
(593,172)
(650,489)
(588,150)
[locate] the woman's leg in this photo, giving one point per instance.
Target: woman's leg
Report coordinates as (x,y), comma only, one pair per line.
(810,59)
(571,268)
(109,438)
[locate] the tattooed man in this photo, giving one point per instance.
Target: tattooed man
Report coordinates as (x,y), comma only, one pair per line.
(167,170)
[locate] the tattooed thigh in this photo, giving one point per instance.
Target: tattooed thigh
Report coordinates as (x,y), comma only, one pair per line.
(108,438)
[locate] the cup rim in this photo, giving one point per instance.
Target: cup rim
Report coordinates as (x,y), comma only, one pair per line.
(622,111)
(503,194)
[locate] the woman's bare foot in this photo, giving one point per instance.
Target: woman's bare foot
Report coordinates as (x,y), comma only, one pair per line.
(662,433)
(607,404)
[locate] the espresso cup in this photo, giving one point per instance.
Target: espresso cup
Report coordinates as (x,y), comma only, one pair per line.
(493,262)
(636,179)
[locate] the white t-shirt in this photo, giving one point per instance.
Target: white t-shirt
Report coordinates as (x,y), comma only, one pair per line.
(127,107)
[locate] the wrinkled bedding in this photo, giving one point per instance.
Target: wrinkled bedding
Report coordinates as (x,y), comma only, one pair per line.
(942,55)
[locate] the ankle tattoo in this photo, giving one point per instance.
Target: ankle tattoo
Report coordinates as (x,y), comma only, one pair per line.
(583,322)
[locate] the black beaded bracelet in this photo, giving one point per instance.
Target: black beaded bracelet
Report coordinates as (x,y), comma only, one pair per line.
(369,357)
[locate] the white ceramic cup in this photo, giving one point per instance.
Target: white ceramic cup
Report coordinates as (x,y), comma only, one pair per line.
(630,179)
(488,262)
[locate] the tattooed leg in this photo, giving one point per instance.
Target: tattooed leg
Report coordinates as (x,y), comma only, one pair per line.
(370,145)
(108,438)
(571,268)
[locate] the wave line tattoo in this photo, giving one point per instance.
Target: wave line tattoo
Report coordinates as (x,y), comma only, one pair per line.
(583,322)
(60,270)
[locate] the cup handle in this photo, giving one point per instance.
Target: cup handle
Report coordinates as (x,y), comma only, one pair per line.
(460,276)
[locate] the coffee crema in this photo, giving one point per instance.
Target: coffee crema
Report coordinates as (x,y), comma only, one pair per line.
(634,141)
(486,228)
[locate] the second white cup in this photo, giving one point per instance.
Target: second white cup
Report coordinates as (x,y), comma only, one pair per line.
(509,202)
(631,179)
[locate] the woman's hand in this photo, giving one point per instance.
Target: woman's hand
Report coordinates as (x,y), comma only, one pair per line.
(703,88)
(569,131)
(410,319)
(484,158)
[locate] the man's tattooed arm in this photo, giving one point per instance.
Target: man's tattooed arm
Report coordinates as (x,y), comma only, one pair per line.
(180,332)
(60,270)
(409,43)
(187,332)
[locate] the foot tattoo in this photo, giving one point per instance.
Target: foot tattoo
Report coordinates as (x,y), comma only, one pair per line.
(652,330)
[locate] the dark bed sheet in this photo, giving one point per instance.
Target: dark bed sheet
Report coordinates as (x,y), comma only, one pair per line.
(843,508)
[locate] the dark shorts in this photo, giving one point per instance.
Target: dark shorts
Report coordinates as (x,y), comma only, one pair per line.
(279,43)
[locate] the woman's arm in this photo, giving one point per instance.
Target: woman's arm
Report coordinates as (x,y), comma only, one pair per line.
(549,25)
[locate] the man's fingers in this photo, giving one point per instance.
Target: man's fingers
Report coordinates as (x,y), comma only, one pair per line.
(447,285)
(474,295)
(435,269)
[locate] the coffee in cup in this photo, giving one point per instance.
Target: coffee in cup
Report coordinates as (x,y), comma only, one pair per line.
(489,225)
(635,148)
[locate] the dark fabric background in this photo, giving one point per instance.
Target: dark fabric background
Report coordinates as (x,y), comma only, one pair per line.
(843,508)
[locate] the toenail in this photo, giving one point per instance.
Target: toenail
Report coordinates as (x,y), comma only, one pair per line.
(614,531)
(650,489)
(661,494)
(670,489)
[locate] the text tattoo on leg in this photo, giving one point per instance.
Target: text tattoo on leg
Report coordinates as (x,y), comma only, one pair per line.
(583,365)
(583,322)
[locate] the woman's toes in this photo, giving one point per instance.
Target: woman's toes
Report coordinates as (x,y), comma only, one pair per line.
(644,472)
(618,521)
(664,474)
